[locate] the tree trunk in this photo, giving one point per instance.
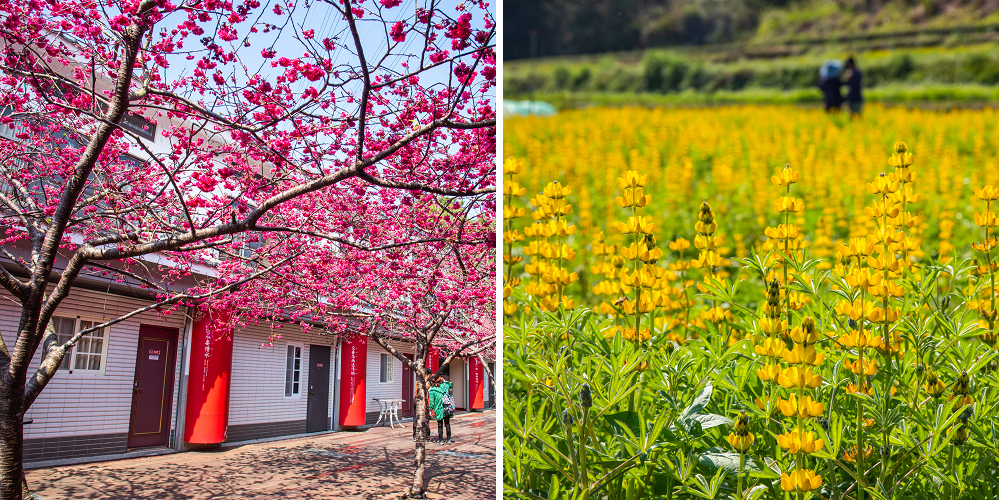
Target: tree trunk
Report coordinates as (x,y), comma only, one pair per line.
(12,483)
(420,420)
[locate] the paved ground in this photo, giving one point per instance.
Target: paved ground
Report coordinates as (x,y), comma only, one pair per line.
(364,465)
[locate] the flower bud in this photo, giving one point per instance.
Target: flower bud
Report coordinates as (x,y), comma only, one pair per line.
(585,399)
(919,369)
(567,418)
(899,147)
(966,415)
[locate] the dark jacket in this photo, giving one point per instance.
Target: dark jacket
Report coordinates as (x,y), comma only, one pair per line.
(831,92)
(853,85)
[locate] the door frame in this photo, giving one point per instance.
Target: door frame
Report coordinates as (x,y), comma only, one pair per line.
(309,387)
(409,382)
(155,332)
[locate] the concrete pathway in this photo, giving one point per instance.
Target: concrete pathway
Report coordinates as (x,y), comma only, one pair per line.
(373,464)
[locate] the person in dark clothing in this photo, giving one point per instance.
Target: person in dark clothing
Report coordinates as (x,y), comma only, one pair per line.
(832,98)
(440,410)
(852,78)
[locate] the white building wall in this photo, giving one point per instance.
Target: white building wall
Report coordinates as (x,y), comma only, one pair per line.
(80,404)
(375,389)
(257,390)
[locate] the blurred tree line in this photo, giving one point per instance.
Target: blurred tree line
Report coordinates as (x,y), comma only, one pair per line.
(538,28)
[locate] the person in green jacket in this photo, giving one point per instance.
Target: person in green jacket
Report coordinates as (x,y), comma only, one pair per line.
(439,410)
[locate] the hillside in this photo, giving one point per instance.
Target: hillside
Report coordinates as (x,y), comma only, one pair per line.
(549,28)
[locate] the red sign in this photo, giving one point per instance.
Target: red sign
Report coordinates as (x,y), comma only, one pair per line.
(207,414)
(154,351)
(432,359)
(475,384)
(353,355)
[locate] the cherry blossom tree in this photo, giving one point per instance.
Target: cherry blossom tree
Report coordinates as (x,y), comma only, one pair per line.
(349,144)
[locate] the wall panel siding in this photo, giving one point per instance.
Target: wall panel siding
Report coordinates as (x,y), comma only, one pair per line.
(79,412)
(375,389)
(257,394)
(78,404)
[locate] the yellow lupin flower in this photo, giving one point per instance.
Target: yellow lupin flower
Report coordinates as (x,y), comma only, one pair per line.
(769,372)
(985,219)
(882,184)
(632,179)
(679,245)
(804,407)
(642,252)
(987,193)
(556,190)
(610,332)
(801,354)
(773,325)
(886,289)
(851,456)
(788,204)
(869,367)
(641,278)
(900,157)
(879,315)
(559,276)
(556,252)
(855,310)
(879,209)
(800,377)
(633,197)
(771,348)
(863,278)
(860,246)
(644,305)
(512,188)
(782,232)
(508,308)
(512,166)
(559,228)
(805,334)
(801,480)
(854,389)
(637,224)
(785,177)
(740,443)
(795,441)
(933,385)
(884,261)
(512,212)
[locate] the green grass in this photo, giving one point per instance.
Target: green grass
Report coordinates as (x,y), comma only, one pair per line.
(933,96)
(706,75)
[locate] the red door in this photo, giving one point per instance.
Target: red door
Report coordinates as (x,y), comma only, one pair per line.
(153,389)
(407,389)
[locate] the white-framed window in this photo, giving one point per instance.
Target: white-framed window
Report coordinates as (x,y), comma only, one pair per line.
(385,368)
(293,370)
(90,354)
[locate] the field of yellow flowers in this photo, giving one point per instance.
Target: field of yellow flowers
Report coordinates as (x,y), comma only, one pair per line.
(751,302)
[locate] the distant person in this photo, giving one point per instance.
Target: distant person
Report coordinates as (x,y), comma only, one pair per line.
(830,83)
(442,408)
(852,79)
